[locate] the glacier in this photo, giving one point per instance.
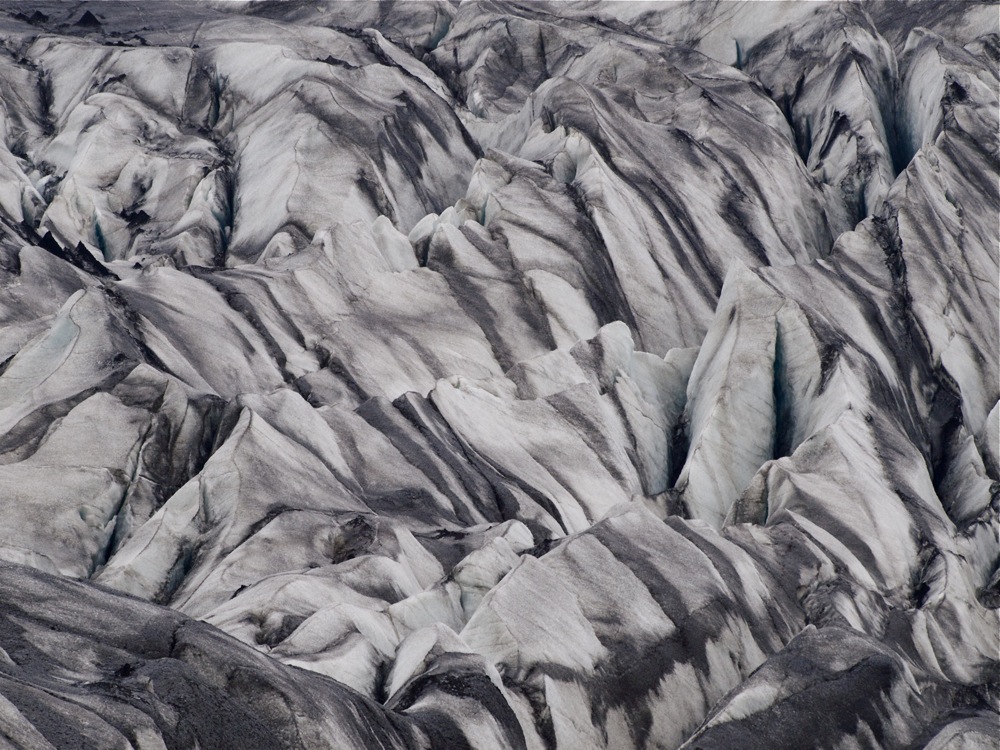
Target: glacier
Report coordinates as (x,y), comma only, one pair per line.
(500,374)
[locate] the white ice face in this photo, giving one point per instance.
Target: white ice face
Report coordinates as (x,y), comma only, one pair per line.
(490,375)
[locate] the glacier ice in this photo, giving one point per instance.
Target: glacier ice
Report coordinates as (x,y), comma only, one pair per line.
(502,374)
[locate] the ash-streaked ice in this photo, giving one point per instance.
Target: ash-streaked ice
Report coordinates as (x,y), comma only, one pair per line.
(490,374)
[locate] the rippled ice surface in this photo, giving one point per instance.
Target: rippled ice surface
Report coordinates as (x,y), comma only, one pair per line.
(499,375)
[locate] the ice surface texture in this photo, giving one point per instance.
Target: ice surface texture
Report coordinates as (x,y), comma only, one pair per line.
(499,375)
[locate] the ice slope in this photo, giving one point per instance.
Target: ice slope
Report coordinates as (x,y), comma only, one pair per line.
(499,375)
